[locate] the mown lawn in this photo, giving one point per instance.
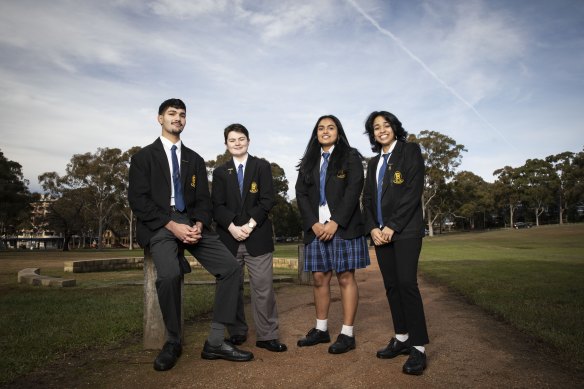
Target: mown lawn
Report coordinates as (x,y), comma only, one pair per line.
(39,324)
(531,278)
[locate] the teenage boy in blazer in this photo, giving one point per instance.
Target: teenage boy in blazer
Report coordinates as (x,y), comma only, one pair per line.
(172,205)
(243,195)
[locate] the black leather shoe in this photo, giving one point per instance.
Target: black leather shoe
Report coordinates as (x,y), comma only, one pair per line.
(168,356)
(393,349)
(343,344)
(236,340)
(416,363)
(225,351)
(313,337)
(272,345)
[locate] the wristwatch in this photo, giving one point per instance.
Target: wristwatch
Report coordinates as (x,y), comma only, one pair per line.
(251,225)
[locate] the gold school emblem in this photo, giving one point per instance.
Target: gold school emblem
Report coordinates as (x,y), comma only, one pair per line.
(254,187)
(193,181)
(341,174)
(397,178)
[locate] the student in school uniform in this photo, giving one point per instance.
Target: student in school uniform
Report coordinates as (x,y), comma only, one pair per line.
(243,195)
(392,204)
(329,184)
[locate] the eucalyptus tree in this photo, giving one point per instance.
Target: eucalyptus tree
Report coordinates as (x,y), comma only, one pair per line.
(442,155)
(506,190)
(472,195)
(538,183)
(14,196)
(100,178)
(569,168)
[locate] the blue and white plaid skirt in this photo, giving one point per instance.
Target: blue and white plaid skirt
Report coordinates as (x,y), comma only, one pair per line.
(337,254)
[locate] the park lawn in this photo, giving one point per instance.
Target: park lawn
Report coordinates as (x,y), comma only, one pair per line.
(531,278)
(39,324)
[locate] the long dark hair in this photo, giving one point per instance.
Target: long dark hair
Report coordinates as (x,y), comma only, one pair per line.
(400,133)
(311,157)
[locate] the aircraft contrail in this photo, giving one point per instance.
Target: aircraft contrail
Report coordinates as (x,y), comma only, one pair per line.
(427,69)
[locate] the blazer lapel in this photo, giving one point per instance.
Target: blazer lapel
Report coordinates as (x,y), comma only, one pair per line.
(232,183)
(184,167)
(393,158)
(248,176)
(162,161)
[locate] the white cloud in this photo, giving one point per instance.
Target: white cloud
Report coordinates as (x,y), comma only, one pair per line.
(91,74)
(186,9)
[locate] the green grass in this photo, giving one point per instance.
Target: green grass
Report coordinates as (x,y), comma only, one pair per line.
(39,324)
(286,250)
(533,278)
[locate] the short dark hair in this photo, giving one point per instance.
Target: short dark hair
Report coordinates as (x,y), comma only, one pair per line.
(400,133)
(174,103)
(237,128)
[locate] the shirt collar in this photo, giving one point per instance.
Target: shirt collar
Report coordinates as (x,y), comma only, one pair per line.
(390,149)
(330,151)
(168,144)
(244,162)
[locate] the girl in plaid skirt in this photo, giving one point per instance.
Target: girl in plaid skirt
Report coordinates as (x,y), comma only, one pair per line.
(330,180)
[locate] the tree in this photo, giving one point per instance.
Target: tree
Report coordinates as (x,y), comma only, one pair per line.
(101,178)
(570,171)
(472,195)
(285,215)
(538,182)
(575,181)
(506,190)
(442,155)
(123,205)
(14,196)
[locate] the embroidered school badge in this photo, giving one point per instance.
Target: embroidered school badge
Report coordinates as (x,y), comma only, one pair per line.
(397,178)
(254,187)
(194,181)
(341,174)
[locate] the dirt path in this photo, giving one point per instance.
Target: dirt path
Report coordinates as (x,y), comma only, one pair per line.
(468,349)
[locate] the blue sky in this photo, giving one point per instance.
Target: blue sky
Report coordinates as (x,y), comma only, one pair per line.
(504,78)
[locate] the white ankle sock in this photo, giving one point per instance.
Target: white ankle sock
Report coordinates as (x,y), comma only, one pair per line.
(402,337)
(347,330)
(322,324)
(421,349)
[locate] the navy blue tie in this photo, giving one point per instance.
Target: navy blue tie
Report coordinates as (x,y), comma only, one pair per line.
(380,188)
(179,202)
(240,178)
(323,168)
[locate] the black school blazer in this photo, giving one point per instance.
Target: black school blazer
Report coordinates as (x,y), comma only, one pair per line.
(401,197)
(149,189)
(342,188)
(256,201)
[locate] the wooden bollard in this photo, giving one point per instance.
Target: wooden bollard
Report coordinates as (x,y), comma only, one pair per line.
(304,277)
(154,329)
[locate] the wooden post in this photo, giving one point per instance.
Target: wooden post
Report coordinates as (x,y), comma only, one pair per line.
(304,277)
(154,329)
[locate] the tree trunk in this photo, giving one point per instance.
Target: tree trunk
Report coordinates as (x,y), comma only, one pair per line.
(430,228)
(66,242)
(131,245)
